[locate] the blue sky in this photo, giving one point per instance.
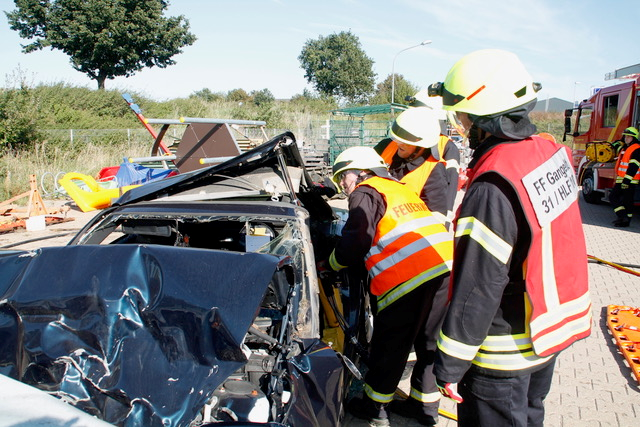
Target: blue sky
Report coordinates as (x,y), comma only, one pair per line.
(255,44)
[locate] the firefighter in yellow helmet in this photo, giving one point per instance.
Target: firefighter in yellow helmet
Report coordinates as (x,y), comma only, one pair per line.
(518,226)
(627,178)
(406,251)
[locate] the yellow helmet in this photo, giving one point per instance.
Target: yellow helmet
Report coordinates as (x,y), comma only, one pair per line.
(417,126)
(361,158)
(631,131)
(486,82)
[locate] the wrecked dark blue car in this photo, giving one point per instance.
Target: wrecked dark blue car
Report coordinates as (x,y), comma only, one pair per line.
(193,300)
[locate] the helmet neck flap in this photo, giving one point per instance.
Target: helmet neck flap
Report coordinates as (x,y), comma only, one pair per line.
(508,125)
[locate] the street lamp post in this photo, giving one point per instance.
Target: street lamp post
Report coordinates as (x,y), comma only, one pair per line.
(424,42)
(574,95)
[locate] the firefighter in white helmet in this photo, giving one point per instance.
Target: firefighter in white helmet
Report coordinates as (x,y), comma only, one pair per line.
(446,150)
(519,282)
(414,139)
(402,245)
(440,186)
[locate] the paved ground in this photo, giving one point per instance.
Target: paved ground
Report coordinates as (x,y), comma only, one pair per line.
(592,385)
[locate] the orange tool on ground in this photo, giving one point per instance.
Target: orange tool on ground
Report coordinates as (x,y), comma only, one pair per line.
(623,322)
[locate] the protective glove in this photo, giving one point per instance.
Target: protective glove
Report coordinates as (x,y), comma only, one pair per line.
(325,272)
(325,188)
(625,184)
(448,390)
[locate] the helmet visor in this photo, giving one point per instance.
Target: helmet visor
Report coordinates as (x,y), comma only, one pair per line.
(449,99)
(400,133)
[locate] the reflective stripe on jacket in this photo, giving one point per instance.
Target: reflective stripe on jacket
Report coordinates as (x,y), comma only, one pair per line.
(410,246)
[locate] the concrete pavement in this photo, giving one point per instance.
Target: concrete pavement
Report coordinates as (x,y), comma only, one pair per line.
(592,385)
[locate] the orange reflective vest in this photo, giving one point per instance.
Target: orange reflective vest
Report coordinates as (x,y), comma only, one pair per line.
(410,245)
(555,270)
(417,178)
(389,152)
(623,161)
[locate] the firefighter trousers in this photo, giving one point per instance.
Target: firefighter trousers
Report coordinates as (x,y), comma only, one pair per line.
(623,200)
(512,401)
(395,329)
(423,381)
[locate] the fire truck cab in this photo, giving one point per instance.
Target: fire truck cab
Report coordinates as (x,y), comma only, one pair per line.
(594,125)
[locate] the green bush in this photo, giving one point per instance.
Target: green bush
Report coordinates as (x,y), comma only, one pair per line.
(19,111)
(552,123)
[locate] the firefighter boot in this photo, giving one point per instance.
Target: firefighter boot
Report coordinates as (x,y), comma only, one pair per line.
(373,412)
(622,222)
(425,413)
(623,219)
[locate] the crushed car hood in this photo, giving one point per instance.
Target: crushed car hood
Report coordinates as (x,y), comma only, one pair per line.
(133,334)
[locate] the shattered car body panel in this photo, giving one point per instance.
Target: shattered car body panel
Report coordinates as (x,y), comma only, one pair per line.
(191,301)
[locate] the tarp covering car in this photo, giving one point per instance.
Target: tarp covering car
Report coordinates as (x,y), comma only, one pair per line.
(138,335)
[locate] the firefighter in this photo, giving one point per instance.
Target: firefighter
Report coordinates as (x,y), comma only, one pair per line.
(441,185)
(414,139)
(627,180)
(519,281)
(446,150)
(407,252)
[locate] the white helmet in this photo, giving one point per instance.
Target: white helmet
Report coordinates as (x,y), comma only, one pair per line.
(422,99)
(417,126)
(361,158)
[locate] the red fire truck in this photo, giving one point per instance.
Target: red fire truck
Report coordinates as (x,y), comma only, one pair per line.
(594,125)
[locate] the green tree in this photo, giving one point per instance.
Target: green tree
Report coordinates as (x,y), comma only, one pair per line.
(337,66)
(103,38)
(402,89)
(264,97)
(238,95)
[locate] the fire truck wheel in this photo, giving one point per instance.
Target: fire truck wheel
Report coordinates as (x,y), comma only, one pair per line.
(590,195)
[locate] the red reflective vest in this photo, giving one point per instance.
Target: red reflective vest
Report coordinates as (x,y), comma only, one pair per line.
(555,270)
(623,161)
(410,245)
